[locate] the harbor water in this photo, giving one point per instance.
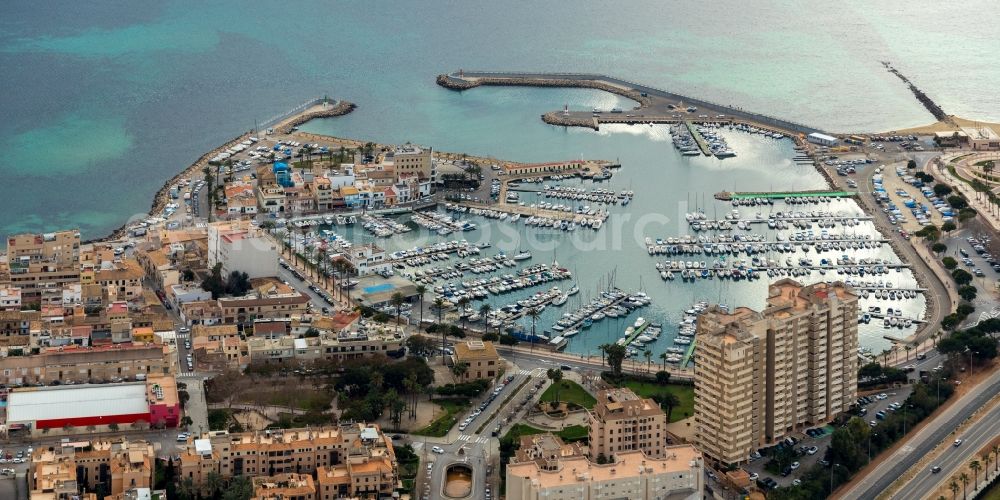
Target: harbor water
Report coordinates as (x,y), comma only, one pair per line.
(666,186)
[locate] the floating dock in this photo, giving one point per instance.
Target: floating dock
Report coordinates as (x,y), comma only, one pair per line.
(780,195)
(702,145)
(690,352)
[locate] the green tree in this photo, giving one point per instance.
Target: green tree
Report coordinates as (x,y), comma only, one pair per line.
(976,467)
(964,478)
(484,313)
(462,302)
(533,312)
(942,189)
(961,276)
(397,301)
(421,290)
(948,227)
(663,356)
(967,292)
(439,305)
(556,376)
(669,402)
(939,247)
(649,358)
(949,263)
(616,355)
(662,377)
(459,370)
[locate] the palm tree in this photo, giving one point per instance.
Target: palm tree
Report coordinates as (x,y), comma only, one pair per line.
(953,486)
(462,302)
(439,305)
(965,482)
(213,482)
(421,290)
(556,376)
(604,349)
(459,370)
(663,356)
(649,357)
(187,490)
(996,457)
(907,348)
(671,401)
(986,459)
(397,301)
(533,312)
(209,180)
(976,467)
(484,311)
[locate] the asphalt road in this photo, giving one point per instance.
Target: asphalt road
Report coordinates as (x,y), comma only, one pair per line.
(921,443)
(953,458)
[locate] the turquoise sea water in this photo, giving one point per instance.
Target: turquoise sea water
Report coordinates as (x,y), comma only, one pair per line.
(105,100)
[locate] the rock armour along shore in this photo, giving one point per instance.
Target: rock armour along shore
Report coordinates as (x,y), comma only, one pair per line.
(162,196)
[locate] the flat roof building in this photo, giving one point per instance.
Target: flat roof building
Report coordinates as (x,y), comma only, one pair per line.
(982,138)
(75,408)
(634,476)
(621,422)
(822,139)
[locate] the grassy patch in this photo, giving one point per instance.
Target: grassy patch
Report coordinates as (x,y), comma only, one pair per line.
(291,394)
(684,393)
(441,425)
(289,421)
(570,392)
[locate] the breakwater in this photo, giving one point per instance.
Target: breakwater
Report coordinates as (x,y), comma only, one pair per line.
(284,122)
(924,99)
(660,102)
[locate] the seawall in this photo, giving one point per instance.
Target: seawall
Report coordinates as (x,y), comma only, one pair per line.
(283,123)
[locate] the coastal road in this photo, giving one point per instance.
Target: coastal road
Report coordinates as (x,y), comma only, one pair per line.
(953,458)
(922,442)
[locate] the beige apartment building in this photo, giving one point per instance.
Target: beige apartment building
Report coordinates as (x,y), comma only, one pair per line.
(760,376)
(621,422)
(344,346)
(352,459)
(115,466)
(40,264)
(86,364)
(480,357)
(678,475)
(410,159)
(284,487)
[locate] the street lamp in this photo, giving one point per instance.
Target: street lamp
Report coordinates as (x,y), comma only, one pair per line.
(832,466)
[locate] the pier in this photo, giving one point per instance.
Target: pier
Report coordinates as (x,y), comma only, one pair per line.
(780,195)
(698,139)
(654,105)
(578,324)
(526,211)
(635,333)
(689,353)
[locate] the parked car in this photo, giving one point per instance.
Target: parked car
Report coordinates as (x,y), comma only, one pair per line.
(437,449)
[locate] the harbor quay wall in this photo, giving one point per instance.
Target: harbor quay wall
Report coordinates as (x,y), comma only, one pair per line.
(618,86)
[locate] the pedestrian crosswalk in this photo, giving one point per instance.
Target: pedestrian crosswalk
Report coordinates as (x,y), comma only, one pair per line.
(187,375)
(473,439)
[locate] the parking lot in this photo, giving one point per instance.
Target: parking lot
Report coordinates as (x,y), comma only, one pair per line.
(810,449)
